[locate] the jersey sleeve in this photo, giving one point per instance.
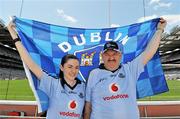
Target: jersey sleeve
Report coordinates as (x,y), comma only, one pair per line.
(89,87)
(136,67)
(46,84)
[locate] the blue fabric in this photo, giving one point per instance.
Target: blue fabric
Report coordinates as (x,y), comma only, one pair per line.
(48,43)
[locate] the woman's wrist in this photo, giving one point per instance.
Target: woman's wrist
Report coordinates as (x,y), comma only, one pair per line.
(13,33)
(160,29)
(16,40)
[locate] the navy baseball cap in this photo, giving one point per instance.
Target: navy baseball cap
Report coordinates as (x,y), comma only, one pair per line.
(111,46)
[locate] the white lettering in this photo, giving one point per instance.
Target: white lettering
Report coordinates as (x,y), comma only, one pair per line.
(95,37)
(77,41)
(117,38)
(107,37)
(65,46)
(124,40)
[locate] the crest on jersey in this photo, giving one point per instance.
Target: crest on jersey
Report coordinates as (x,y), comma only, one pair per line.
(90,58)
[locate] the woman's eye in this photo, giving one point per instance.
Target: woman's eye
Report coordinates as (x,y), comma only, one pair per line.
(69,66)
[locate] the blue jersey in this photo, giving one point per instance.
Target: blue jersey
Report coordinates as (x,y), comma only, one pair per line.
(64,102)
(113,94)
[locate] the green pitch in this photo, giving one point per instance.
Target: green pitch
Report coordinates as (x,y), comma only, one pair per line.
(17,90)
(172,94)
(20,90)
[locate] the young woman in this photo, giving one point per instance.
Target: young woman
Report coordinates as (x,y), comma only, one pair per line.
(66,94)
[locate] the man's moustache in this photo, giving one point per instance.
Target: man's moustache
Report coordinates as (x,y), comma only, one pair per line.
(111,60)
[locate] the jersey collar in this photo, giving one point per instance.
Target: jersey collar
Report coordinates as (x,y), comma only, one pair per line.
(101,66)
(63,82)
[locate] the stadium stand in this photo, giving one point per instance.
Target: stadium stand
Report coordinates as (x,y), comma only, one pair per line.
(170,53)
(10,62)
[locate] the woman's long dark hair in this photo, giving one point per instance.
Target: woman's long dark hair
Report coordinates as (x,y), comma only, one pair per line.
(64,60)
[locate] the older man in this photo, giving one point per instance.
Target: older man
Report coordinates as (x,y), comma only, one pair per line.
(111,88)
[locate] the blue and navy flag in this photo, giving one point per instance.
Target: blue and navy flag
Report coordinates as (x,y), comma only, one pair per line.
(47,44)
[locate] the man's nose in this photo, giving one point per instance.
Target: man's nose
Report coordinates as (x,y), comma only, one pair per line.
(73,71)
(111,58)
